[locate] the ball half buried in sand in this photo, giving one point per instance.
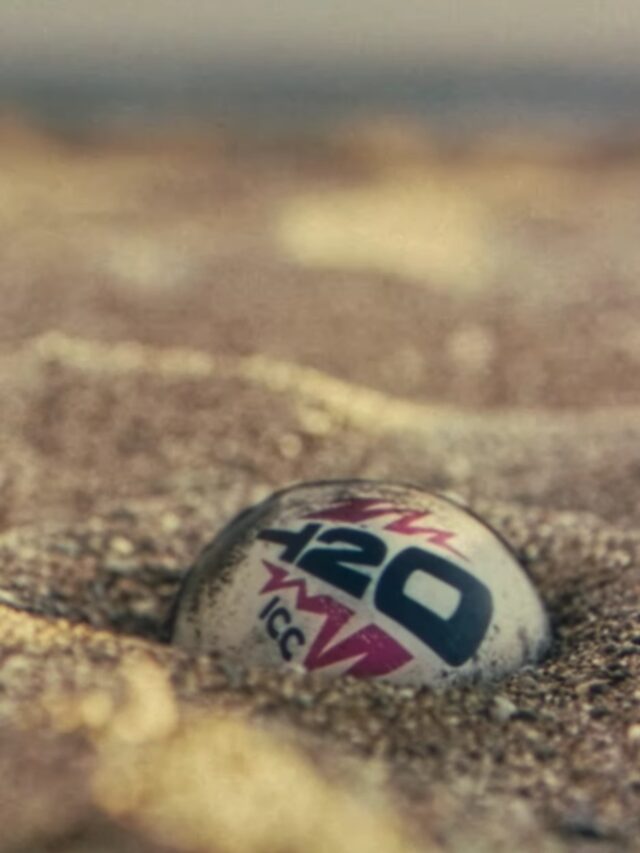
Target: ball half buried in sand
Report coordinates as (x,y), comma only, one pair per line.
(364,578)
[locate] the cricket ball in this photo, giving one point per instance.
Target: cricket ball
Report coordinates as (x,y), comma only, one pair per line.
(363,578)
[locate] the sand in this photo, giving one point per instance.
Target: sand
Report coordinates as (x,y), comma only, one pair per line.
(191,321)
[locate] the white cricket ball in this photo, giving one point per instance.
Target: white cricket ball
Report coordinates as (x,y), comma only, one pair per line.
(363,578)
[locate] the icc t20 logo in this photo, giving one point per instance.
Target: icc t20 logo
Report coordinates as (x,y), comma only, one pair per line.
(352,559)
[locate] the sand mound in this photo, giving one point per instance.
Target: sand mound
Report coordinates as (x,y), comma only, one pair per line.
(145,402)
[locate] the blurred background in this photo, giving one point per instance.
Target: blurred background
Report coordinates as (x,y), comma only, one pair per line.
(486,62)
(439,202)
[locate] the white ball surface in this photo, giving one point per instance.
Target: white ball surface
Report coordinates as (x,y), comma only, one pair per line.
(364,578)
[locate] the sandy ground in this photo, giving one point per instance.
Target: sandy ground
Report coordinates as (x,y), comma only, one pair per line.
(190,322)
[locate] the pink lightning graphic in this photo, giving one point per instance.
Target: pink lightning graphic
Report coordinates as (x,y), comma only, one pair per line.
(358,510)
(377,653)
